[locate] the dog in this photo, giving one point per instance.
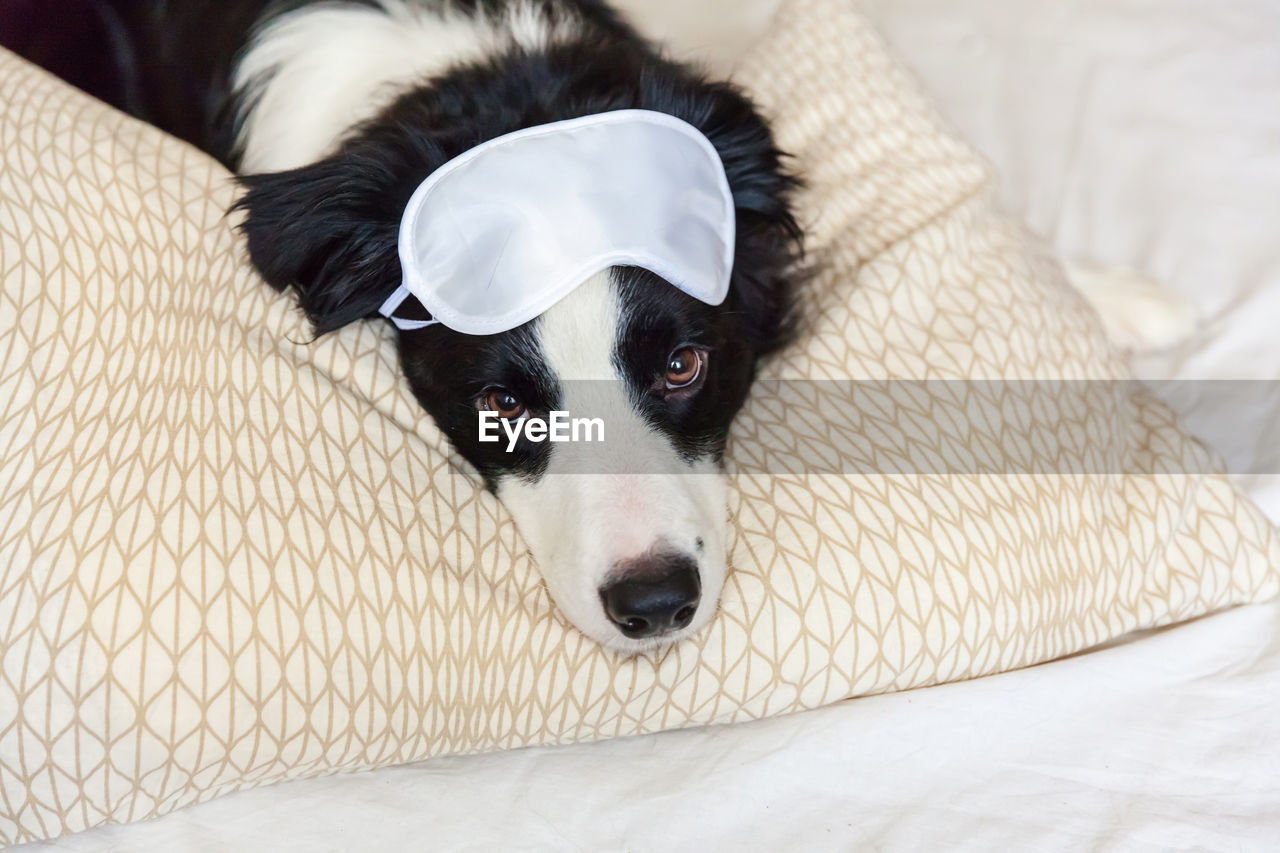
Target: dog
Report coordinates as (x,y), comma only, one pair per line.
(332,113)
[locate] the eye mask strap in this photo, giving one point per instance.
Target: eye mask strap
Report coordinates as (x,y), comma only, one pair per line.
(394,301)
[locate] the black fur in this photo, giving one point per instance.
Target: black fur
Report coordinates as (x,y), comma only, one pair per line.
(329,230)
(350,204)
(448,371)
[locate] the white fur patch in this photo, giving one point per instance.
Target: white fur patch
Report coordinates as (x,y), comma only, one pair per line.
(324,69)
(599,504)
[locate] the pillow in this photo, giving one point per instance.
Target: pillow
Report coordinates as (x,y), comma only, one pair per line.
(230,556)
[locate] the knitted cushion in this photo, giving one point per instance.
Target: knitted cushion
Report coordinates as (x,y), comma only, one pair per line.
(229,556)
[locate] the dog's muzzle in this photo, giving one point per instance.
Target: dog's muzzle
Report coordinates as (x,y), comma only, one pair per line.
(653,596)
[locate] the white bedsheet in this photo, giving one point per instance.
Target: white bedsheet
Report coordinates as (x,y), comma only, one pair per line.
(1166,743)
(1143,132)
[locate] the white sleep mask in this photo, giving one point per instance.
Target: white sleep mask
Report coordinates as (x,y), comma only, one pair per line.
(501,233)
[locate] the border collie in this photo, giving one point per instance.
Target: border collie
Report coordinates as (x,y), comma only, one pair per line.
(332,112)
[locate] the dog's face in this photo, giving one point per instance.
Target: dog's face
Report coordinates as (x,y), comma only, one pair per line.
(628,531)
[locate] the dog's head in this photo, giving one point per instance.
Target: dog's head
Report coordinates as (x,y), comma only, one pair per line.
(628,531)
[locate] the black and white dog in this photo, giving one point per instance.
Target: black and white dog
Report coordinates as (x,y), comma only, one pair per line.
(334,111)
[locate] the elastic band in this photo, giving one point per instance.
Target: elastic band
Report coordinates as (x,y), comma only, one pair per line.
(394,301)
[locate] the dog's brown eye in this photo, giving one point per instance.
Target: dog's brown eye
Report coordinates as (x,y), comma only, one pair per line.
(506,404)
(684,366)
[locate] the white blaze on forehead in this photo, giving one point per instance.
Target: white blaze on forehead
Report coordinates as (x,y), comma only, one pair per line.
(578,338)
(579,334)
(602,503)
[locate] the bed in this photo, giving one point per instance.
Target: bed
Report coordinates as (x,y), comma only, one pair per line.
(1128,132)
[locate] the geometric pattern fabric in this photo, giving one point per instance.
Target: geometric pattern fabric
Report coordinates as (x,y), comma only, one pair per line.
(230,555)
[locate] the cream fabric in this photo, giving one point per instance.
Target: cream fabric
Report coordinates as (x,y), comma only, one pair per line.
(230,557)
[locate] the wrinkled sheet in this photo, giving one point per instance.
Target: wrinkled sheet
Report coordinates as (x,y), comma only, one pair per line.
(1139,132)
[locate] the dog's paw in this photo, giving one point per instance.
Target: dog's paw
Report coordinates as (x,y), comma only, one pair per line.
(1137,313)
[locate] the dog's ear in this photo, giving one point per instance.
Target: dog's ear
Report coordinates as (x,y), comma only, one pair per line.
(325,230)
(768,258)
(768,263)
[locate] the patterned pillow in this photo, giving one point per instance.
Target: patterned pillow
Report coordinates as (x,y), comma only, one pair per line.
(230,557)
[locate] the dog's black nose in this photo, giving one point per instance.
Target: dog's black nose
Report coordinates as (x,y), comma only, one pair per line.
(653,595)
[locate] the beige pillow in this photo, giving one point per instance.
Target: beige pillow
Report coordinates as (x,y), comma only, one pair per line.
(230,557)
